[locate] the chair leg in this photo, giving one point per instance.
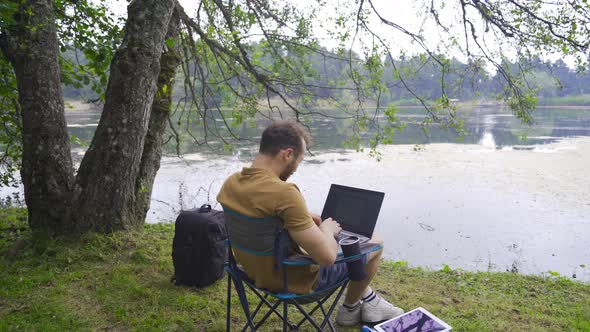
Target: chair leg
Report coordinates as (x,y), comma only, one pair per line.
(332,329)
(327,319)
(270,305)
(243,301)
(310,314)
(228,314)
(307,316)
(318,306)
(330,325)
(253,316)
(285,317)
(268,313)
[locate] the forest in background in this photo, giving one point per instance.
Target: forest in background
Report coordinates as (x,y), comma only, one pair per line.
(330,80)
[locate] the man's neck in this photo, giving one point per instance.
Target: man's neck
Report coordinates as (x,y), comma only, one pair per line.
(268,163)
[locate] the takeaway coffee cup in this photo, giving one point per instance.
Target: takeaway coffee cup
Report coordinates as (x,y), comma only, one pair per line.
(356,268)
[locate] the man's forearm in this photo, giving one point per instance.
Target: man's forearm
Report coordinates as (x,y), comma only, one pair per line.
(330,240)
(319,242)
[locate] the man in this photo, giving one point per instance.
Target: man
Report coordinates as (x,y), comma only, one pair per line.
(266,203)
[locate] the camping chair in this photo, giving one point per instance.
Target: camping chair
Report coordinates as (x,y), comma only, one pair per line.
(281,253)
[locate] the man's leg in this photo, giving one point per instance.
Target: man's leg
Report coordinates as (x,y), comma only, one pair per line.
(372,308)
(356,288)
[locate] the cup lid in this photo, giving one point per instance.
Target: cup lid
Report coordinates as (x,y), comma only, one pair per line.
(349,240)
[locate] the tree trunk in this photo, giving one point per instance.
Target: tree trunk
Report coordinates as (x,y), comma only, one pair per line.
(47,172)
(106,184)
(152,150)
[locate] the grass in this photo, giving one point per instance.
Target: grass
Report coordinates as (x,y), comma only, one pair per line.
(122,282)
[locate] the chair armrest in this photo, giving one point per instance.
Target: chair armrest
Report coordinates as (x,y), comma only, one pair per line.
(302,260)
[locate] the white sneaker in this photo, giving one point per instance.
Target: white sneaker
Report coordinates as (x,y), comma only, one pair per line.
(346,317)
(378,310)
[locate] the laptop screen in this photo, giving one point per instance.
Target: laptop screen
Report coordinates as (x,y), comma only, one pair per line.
(355,209)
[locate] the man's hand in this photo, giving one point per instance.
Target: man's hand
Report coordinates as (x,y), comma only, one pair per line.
(316,218)
(319,242)
(331,226)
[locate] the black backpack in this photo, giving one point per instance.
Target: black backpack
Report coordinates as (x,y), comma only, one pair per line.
(199,249)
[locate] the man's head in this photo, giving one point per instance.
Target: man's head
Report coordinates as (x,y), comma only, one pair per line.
(285,141)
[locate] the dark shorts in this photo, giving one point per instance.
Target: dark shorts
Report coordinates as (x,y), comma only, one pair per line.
(330,275)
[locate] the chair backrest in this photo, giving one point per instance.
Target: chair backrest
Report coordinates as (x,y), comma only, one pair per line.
(260,237)
(253,235)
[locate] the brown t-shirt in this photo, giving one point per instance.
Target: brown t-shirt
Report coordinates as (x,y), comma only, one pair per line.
(259,193)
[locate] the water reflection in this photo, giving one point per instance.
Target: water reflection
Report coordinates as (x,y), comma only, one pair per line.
(486,126)
(488,140)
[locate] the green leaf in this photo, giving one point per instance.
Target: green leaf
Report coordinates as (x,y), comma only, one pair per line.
(143,189)
(170,42)
(446,269)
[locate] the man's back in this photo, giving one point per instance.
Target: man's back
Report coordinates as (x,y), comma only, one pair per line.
(257,205)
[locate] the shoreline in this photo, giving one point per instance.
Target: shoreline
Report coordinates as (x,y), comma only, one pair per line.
(75,106)
(89,110)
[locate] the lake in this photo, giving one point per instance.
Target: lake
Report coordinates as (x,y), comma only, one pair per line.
(486,201)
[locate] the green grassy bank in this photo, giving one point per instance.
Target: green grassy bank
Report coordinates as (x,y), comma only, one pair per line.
(579,100)
(122,282)
(566,101)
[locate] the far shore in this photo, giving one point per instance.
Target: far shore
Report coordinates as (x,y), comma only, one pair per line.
(573,107)
(75,106)
(81,106)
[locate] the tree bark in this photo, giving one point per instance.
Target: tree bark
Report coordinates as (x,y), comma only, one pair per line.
(47,173)
(152,150)
(107,177)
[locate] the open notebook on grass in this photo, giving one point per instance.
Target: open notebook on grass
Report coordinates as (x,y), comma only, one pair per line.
(417,320)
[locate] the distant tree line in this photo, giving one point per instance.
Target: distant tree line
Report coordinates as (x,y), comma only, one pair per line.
(403,79)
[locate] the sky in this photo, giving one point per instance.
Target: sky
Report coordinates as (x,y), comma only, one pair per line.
(402,12)
(412,15)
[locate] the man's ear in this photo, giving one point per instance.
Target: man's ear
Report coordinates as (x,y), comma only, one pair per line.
(288,152)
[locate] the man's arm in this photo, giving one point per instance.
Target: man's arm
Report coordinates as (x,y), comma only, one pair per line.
(316,218)
(319,242)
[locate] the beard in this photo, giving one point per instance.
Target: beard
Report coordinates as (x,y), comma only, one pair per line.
(288,171)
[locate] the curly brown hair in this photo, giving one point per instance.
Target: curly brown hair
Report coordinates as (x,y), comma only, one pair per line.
(283,134)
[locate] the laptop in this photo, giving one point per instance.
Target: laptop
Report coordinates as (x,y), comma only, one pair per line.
(355,209)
